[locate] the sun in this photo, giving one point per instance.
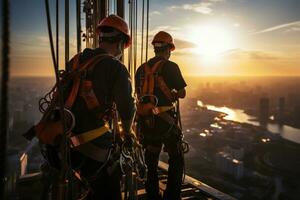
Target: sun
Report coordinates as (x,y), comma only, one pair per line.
(211,41)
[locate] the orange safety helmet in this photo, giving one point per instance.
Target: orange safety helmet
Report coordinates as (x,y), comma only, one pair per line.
(117,23)
(164,37)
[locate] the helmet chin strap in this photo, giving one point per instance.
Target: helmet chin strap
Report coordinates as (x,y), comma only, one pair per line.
(120,50)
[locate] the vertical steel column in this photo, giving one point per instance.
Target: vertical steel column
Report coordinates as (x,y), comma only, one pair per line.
(120,8)
(4,94)
(103,8)
(95,19)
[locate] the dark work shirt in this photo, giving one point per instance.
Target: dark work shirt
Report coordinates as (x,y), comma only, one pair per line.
(111,82)
(171,75)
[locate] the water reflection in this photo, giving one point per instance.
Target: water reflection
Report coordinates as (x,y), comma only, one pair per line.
(238,115)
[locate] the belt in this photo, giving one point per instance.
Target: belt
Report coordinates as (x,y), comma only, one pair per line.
(93,151)
(161,109)
(82,143)
(77,140)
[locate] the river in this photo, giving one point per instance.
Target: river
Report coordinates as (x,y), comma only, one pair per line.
(238,115)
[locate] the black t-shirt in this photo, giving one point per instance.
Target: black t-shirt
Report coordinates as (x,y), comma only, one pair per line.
(171,74)
(111,81)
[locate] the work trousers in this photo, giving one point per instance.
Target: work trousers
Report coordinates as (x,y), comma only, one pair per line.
(104,186)
(175,171)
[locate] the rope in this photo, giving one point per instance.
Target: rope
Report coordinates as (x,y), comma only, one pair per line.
(130,25)
(64,146)
(135,36)
(184,146)
(147,33)
(142,42)
(67,40)
(4,94)
(57,33)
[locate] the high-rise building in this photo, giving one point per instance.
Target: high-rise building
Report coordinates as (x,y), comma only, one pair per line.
(264,110)
(281,109)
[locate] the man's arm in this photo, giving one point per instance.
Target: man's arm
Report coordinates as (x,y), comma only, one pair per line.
(122,92)
(175,80)
(181,93)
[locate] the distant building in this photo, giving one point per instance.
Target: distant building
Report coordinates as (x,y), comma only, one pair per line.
(281,109)
(264,110)
(227,164)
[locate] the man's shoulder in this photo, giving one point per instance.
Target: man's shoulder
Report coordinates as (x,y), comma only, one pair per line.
(169,63)
(140,69)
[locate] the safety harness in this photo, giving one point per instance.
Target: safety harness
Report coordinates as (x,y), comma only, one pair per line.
(49,129)
(152,78)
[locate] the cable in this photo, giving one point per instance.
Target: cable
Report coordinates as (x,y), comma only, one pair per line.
(135,37)
(147,33)
(4,94)
(50,34)
(64,146)
(57,33)
(130,25)
(142,42)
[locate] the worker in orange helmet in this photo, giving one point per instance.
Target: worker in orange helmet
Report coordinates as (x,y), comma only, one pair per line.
(104,83)
(158,84)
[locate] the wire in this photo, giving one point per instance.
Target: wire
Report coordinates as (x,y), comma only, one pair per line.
(130,25)
(142,42)
(50,35)
(147,33)
(135,36)
(57,33)
(64,146)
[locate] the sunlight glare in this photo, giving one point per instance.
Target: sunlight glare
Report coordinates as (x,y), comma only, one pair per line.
(211,41)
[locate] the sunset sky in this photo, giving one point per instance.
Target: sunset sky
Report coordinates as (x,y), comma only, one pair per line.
(213,37)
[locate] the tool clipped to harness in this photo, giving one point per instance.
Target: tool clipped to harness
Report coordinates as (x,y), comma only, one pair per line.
(132,160)
(146,104)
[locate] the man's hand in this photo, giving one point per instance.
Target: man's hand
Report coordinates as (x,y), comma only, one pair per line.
(178,94)
(129,138)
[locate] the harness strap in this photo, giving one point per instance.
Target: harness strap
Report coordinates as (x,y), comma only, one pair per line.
(87,93)
(169,119)
(148,86)
(92,151)
(76,75)
(164,88)
(161,109)
(72,96)
(150,81)
(88,136)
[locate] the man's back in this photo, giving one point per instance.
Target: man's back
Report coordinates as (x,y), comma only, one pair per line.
(171,75)
(111,83)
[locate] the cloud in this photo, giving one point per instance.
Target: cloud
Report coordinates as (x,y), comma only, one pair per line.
(203,7)
(169,29)
(287,27)
(236,54)
(183,44)
(154,13)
